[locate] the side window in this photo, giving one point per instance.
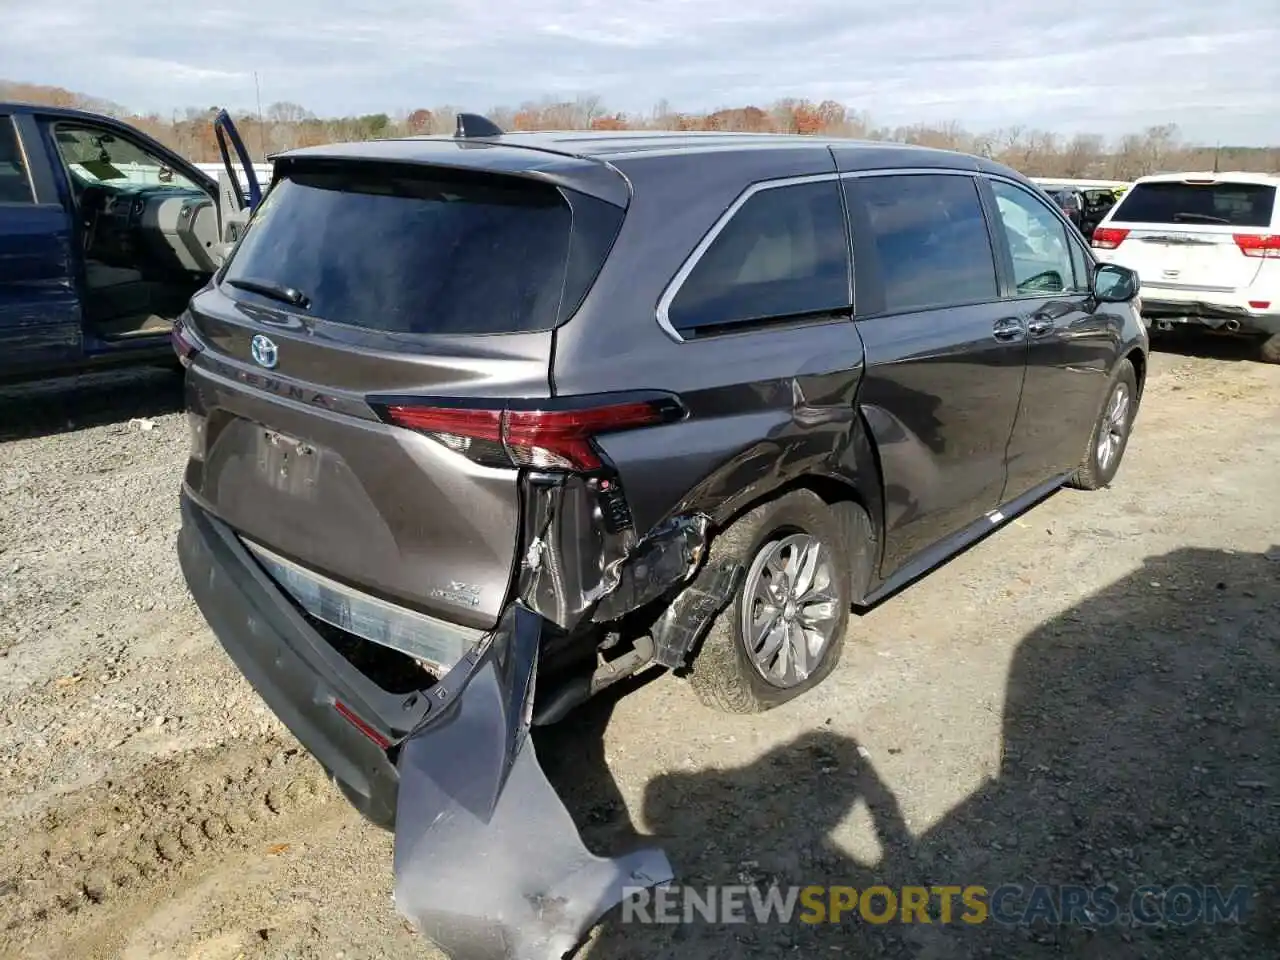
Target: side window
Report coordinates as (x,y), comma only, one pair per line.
(15,185)
(1037,242)
(782,254)
(930,239)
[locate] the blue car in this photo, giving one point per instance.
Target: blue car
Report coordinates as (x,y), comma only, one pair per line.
(105,234)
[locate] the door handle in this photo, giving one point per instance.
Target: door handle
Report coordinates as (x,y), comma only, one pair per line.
(1038,326)
(1008,329)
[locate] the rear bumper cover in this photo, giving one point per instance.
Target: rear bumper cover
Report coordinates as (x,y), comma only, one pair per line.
(1208,314)
(290,666)
(488,863)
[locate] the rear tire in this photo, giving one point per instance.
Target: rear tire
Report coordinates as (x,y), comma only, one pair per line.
(1110,436)
(734,670)
(1270,349)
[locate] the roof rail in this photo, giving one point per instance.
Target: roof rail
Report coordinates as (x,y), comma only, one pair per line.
(472,125)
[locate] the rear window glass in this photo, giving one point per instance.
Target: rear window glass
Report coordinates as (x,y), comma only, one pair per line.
(439,252)
(1226,204)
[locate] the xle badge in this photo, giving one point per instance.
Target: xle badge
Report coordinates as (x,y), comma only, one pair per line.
(466,594)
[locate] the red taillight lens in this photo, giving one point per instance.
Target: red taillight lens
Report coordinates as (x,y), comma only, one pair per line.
(563,438)
(1263,246)
(555,439)
(1108,238)
(352,718)
(184,343)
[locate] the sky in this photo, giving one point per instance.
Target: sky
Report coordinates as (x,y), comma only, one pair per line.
(1086,65)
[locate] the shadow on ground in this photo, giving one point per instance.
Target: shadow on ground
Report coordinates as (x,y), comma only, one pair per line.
(50,407)
(1207,345)
(1139,748)
(571,754)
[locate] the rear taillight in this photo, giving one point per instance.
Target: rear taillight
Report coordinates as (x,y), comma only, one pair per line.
(558,438)
(185,345)
(1108,238)
(1263,246)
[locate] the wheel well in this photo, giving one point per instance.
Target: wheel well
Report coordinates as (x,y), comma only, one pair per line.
(1139,361)
(832,491)
(828,489)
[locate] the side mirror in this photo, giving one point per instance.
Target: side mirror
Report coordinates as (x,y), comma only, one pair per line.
(1113,283)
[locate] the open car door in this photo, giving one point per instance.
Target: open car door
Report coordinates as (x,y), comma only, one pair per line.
(237,197)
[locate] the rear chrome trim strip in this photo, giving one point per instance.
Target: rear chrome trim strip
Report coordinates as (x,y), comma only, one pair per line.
(436,643)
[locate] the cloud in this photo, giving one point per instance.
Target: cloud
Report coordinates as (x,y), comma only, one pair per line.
(1091,65)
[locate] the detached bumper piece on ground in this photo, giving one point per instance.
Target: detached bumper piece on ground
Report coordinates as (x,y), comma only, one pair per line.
(488,862)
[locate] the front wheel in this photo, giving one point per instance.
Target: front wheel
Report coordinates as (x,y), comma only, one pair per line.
(1110,436)
(784,630)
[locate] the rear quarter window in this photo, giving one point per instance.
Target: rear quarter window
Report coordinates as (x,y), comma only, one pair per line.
(1217,203)
(783,254)
(429,251)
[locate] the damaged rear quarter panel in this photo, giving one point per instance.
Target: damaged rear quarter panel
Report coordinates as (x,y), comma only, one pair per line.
(601,547)
(584,556)
(676,483)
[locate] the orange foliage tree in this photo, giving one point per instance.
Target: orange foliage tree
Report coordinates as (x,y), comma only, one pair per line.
(617,121)
(419,121)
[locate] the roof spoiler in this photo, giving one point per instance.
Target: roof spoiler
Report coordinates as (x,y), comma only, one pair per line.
(472,126)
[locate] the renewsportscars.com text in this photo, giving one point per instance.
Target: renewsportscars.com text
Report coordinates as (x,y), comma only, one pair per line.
(1007,905)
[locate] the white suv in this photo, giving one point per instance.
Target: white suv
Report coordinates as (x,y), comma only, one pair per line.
(1207,248)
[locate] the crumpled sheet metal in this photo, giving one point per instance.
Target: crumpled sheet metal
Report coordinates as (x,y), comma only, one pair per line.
(579,563)
(670,554)
(488,862)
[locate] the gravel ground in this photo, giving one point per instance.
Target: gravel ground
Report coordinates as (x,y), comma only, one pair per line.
(1088,696)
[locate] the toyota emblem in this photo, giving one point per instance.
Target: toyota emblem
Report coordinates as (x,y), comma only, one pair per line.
(264,351)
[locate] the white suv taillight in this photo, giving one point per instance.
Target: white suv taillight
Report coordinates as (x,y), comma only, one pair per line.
(1108,238)
(1263,246)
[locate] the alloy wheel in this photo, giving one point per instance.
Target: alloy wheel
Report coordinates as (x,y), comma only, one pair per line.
(789,608)
(1115,422)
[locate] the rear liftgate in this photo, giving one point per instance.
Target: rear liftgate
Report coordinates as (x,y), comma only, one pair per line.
(488,862)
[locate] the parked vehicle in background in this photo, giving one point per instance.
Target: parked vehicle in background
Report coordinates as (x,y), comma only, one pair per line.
(260,170)
(1207,247)
(1070,202)
(105,234)
(469,412)
(1091,198)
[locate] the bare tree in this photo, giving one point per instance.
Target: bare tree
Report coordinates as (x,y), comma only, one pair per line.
(285,111)
(1081,155)
(588,109)
(1161,146)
